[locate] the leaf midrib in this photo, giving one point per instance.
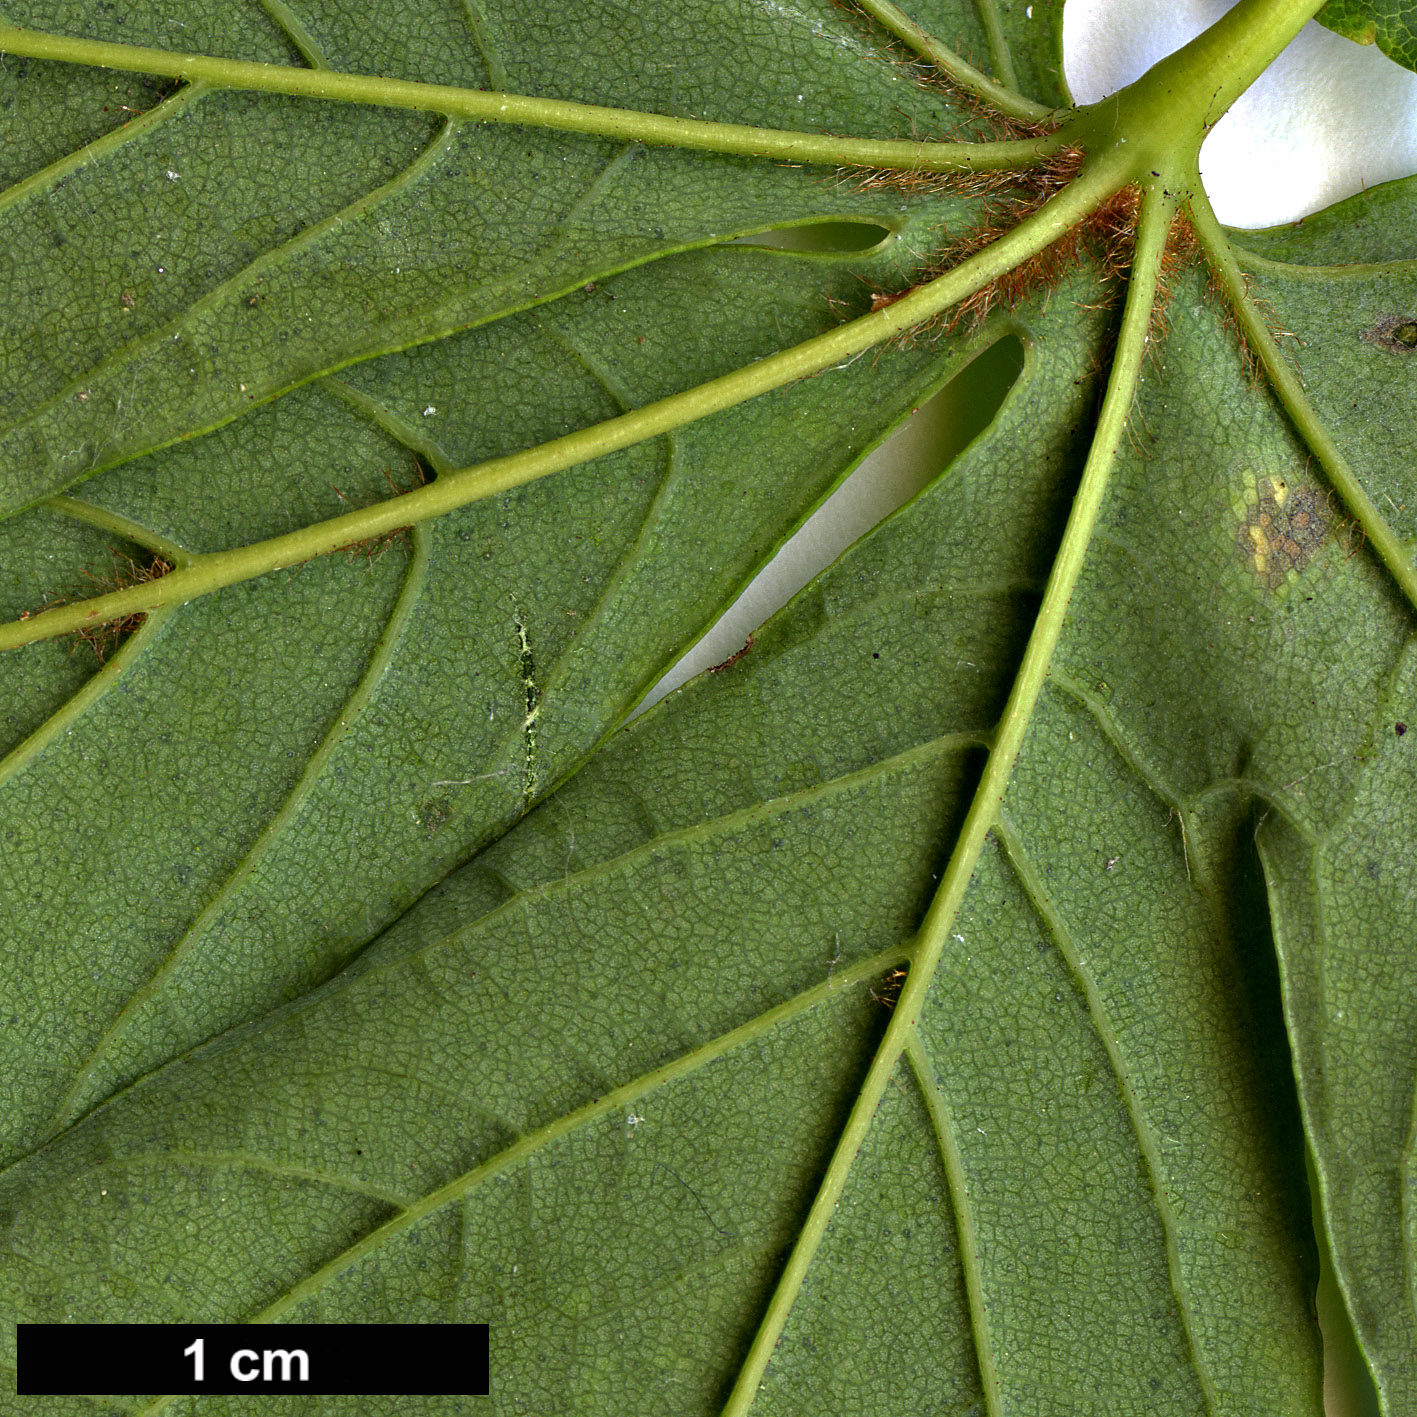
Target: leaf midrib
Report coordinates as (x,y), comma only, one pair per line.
(519,109)
(217,569)
(1153,226)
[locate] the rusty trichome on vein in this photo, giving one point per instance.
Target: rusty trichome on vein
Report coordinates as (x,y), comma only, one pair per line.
(103,637)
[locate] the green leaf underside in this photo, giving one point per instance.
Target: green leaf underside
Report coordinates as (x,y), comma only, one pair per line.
(1030,42)
(1391,25)
(587,1086)
(324,234)
(1343,902)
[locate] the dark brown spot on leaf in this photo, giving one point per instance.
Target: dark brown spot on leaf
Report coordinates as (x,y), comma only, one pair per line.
(1395,333)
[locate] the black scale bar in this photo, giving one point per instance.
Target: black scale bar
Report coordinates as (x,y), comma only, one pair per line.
(328,1360)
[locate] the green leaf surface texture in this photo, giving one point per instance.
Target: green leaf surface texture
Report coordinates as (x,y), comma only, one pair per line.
(359,965)
(1390,24)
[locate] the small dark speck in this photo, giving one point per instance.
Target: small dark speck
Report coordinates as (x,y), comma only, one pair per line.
(1399,729)
(875,656)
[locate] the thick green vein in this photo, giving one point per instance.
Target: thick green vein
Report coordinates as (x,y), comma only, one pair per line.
(635,553)
(1002,60)
(1295,270)
(629,561)
(922,753)
(62,721)
(1144,771)
(119,525)
(380,416)
(477,27)
(291,26)
(211,571)
(1001,95)
(488,107)
(1113,420)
